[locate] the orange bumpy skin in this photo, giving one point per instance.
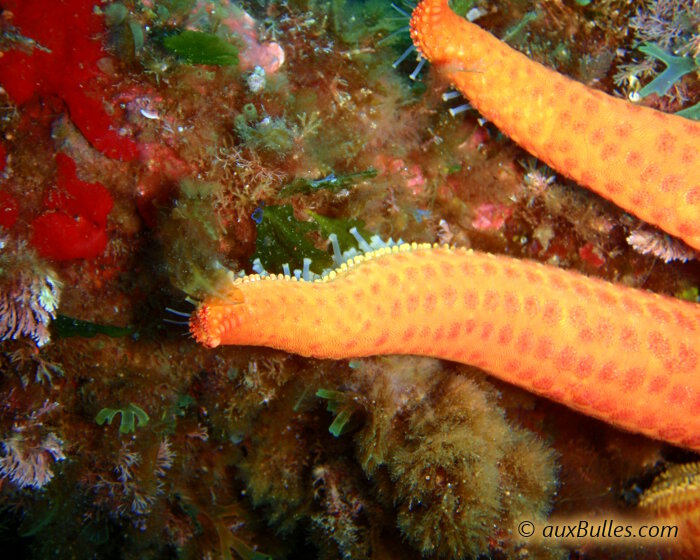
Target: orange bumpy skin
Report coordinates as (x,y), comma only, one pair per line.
(645,161)
(625,356)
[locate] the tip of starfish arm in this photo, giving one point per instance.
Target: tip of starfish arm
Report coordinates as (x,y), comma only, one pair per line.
(204,328)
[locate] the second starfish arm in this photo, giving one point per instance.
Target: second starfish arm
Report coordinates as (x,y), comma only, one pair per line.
(645,161)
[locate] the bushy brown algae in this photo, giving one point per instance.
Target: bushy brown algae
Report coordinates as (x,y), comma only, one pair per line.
(461,474)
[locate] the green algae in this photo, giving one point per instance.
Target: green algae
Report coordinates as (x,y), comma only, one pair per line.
(283,239)
(676,68)
(269,134)
(131,416)
(341,227)
(198,47)
(692,112)
(65,327)
(342,406)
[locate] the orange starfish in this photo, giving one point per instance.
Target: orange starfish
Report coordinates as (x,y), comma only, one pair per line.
(577,340)
(643,160)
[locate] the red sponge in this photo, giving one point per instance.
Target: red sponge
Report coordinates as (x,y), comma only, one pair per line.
(73,196)
(64,65)
(74,228)
(62,237)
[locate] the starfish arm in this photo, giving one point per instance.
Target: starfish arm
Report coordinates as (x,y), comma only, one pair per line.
(645,161)
(625,356)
